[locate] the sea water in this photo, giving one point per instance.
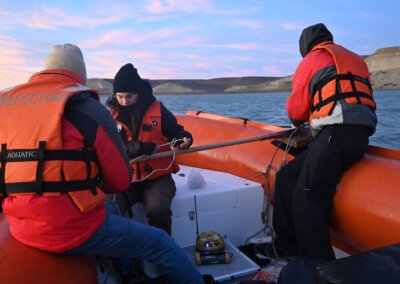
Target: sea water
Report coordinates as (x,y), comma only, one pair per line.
(270,108)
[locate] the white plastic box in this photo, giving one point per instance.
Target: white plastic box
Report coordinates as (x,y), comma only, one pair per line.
(226,204)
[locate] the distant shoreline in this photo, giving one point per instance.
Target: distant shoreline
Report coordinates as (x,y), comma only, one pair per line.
(249,93)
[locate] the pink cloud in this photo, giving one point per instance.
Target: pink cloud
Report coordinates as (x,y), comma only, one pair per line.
(247,23)
(115,37)
(107,62)
(364,15)
(52,19)
(291,48)
(10,78)
(169,6)
(191,56)
(187,41)
(128,37)
(293,26)
(272,71)
(201,65)
(244,46)
(163,73)
(16,64)
(234,58)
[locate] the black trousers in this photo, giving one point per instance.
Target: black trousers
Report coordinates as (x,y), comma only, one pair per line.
(156,194)
(304,188)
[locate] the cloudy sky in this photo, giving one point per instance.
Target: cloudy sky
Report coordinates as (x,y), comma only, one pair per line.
(185,39)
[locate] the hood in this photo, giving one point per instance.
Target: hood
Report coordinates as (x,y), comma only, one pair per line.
(313,35)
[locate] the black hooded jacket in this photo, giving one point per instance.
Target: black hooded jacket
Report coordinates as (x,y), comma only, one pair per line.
(313,35)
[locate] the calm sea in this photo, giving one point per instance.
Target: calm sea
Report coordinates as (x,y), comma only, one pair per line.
(270,108)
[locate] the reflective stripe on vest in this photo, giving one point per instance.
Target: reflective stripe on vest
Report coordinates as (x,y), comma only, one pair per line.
(33,160)
(351,84)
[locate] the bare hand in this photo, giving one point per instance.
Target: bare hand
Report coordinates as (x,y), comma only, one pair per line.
(186,143)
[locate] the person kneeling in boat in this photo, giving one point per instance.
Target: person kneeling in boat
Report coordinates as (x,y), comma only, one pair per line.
(146,126)
(57,141)
(331,91)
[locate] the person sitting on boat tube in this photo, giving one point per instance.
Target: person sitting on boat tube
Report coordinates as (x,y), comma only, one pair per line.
(332,92)
(146,126)
(57,141)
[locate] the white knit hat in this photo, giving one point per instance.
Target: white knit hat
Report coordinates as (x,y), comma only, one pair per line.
(66,56)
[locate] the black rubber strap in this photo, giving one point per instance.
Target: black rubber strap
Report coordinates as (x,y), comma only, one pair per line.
(338,97)
(3,157)
(39,168)
(70,155)
(51,186)
(51,155)
(89,170)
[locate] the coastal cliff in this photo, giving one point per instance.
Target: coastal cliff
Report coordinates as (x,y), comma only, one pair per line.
(384,67)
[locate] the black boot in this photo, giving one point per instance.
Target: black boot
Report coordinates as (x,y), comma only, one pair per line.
(136,274)
(209,279)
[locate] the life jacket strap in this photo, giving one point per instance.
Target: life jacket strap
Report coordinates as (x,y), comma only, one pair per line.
(3,158)
(39,168)
(89,170)
(40,155)
(338,95)
(51,186)
(48,155)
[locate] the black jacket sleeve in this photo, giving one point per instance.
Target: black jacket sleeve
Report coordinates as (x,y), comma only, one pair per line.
(170,127)
(99,131)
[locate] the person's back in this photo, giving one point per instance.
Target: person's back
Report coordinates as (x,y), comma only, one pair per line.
(332,92)
(331,84)
(59,146)
(34,112)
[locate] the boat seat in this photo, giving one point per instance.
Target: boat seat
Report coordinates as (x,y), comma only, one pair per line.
(23,264)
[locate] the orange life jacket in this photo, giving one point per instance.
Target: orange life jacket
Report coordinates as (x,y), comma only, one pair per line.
(150,131)
(351,83)
(33,160)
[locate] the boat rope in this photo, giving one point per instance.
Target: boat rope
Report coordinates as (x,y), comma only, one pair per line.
(172,147)
(269,193)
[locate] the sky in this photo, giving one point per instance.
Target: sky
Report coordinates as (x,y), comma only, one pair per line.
(185,39)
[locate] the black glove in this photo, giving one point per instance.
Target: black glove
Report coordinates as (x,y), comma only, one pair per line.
(133,149)
(148,148)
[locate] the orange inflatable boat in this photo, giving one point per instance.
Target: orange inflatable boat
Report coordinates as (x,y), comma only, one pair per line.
(365,213)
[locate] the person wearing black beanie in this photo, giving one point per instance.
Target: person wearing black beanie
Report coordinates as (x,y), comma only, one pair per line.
(331,92)
(127,80)
(146,125)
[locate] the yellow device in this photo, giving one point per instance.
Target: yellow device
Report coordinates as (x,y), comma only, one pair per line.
(209,241)
(210,246)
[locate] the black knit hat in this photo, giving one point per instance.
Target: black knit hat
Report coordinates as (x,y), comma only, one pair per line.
(313,35)
(127,80)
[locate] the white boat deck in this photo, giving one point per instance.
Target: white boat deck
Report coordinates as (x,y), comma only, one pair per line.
(226,204)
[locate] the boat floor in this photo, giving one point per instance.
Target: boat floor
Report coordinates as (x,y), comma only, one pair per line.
(226,204)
